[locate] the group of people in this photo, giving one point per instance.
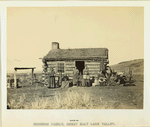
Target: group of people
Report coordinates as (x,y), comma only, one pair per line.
(100,79)
(63,81)
(85,80)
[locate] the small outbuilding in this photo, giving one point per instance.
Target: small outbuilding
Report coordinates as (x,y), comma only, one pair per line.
(64,60)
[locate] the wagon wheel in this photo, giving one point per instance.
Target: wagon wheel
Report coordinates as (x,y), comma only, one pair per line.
(108,72)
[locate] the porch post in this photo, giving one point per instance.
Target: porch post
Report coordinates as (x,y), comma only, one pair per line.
(15,78)
(32,76)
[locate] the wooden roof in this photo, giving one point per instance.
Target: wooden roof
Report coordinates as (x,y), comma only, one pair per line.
(77,54)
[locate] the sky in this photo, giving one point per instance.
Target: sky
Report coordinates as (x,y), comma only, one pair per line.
(31,30)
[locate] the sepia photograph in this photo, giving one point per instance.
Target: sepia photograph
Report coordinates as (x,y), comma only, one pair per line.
(75,57)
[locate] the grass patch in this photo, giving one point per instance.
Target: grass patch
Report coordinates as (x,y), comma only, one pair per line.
(100,97)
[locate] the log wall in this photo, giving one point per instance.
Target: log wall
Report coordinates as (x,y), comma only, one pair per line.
(69,65)
(52,64)
(93,67)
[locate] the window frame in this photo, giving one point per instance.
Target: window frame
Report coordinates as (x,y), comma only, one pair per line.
(60,62)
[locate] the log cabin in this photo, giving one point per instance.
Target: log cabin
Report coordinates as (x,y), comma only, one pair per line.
(64,60)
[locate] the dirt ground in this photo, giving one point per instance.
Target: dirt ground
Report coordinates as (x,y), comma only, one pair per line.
(99,97)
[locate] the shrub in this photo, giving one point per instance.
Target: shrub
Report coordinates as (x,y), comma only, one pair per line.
(72,100)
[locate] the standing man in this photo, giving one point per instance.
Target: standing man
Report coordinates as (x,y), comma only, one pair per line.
(75,76)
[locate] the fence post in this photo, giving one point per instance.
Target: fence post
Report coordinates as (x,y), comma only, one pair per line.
(15,78)
(32,76)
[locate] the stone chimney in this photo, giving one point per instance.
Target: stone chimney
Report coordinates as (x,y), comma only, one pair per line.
(55,45)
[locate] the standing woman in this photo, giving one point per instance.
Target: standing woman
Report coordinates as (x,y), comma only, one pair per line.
(75,76)
(86,78)
(51,78)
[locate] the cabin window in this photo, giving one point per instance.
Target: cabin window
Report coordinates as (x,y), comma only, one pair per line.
(60,67)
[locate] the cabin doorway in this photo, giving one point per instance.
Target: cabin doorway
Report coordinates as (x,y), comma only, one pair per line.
(80,66)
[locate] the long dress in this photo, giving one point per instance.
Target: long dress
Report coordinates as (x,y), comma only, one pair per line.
(75,76)
(52,79)
(86,78)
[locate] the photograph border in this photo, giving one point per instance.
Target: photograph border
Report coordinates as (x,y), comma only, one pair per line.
(123,117)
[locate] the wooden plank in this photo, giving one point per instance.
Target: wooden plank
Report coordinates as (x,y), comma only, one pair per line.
(93,71)
(91,62)
(69,69)
(69,72)
(105,59)
(52,62)
(52,66)
(69,63)
(70,66)
(93,67)
(95,62)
